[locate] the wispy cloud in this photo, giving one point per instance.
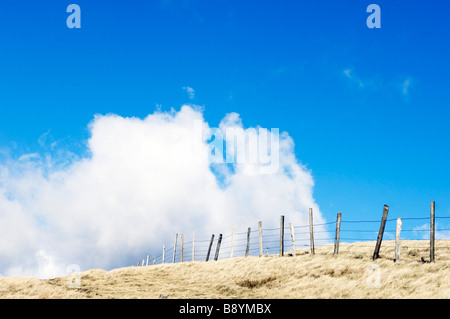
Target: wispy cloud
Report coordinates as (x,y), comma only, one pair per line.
(423,231)
(398,85)
(350,74)
(406,86)
(190,91)
(279,70)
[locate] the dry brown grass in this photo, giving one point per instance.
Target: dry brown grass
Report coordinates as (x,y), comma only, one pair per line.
(322,275)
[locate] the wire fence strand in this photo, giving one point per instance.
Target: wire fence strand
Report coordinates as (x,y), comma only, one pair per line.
(352,231)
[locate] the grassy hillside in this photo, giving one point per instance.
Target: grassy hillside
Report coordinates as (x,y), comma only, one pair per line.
(351,274)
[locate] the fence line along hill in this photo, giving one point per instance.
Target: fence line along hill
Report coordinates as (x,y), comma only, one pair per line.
(284,262)
(351,274)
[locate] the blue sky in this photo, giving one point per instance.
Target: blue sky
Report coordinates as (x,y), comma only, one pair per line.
(368,109)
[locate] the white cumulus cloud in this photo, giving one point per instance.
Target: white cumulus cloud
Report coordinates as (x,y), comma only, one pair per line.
(139,185)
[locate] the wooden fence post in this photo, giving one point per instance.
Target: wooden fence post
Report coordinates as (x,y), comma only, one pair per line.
(261,252)
(432,232)
(174,247)
(311,231)
(209,248)
(248,242)
(398,246)
(154,260)
(338,233)
(232,241)
(219,241)
(292,238)
(181,248)
(164,253)
(148,256)
(281,236)
(376,253)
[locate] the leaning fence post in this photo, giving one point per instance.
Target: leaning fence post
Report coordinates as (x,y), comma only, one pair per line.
(248,242)
(338,233)
(398,247)
(281,236)
(432,232)
(311,230)
(174,247)
(292,238)
(219,241)
(380,233)
(209,248)
(260,239)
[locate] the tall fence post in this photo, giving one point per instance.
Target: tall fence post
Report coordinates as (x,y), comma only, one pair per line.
(432,232)
(209,248)
(148,256)
(291,227)
(218,247)
(398,246)
(281,236)
(376,253)
(248,242)
(338,233)
(311,231)
(261,251)
(232,241)
(164,253)
(174,247)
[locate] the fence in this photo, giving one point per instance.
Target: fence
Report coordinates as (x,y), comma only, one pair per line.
(262,241)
